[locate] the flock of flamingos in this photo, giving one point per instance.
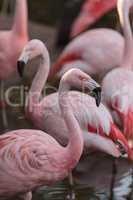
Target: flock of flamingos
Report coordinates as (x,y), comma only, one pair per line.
(73,121)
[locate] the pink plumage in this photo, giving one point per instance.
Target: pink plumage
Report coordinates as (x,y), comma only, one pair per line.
(94,52)
(117,85)
(31,158)
(46,113)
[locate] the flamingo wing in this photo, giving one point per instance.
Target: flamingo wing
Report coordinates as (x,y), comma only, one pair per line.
(118,96)
(104,44)
(29,158)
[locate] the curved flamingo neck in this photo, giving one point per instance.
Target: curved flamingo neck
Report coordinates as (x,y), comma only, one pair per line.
(123,10)
(33,100)
(20,26)
(74,148)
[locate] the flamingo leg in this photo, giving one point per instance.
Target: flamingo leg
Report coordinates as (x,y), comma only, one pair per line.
(114,173)
(3,109)
(71,195)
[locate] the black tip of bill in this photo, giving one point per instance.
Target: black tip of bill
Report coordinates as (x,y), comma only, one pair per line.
(97,95)
(20,67)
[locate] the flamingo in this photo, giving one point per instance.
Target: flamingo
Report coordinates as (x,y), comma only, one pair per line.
(95,52)
(32,158)
(11,43)
(46,113)
(90,12)
(117,84)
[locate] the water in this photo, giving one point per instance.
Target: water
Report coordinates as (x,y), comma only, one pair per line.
(93,180)
(60,192)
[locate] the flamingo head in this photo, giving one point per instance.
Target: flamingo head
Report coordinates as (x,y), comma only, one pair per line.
(78,79)
(91,11)
(32,49)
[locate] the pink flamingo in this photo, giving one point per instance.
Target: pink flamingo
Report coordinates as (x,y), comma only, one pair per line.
(90,12)
(117,85)
(13,41)
(46,114)
(95,52)
(32,158)
(11,44)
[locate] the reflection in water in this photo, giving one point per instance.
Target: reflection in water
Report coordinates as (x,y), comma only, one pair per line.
(60,192)
(124,181)
(93,178)
(124,188)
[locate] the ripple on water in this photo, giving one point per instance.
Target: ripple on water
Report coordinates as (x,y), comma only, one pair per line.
(93,177)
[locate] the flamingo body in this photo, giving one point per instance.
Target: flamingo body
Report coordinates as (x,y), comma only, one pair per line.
(96,123)
(98,50)
(37,159)
(84,109)
(35,156)
(119,95)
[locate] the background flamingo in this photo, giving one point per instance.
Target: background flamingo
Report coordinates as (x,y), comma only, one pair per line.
(12,41)
(11,44)
(47,116)
(35,158)
(117,85)
(98,51)
(90,12)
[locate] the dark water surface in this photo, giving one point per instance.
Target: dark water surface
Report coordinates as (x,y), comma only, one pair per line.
(94,179)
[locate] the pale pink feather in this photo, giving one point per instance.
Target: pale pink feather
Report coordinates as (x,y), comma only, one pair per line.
(117,85)
(98,51)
